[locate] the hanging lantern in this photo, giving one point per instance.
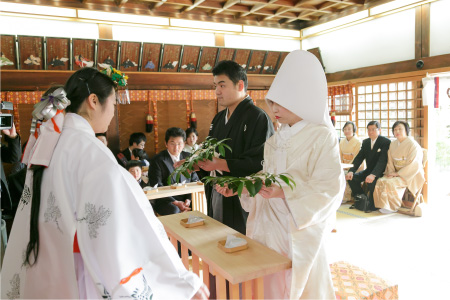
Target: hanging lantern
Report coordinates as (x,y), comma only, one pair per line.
(193,120)
(149,123)
(333,117)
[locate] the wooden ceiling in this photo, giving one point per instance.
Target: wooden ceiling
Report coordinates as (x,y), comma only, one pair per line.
(289,14)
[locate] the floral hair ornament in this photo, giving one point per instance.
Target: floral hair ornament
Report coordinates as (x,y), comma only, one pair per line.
(123,96)
(49,106)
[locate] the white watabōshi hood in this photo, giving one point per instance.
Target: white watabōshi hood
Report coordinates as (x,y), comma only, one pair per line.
(301,87)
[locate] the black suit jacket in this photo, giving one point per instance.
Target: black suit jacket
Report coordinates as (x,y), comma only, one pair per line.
(161,166)
(376,158)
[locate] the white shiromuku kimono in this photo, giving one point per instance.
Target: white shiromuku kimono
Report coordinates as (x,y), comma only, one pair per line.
(405,159)
(348,151)
(124,250)
(297,226)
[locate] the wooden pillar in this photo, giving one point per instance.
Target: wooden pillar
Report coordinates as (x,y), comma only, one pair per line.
(219,39)
(105,31)
(422,35)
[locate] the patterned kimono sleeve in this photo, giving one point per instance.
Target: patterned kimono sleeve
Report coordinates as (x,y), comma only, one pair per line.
(123,245)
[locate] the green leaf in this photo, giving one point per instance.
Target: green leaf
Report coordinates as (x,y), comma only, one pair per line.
(250,188)
(258,185)
(178,178)
(186,174)
(268,182)
(285,179)
(240,188)
(221,150)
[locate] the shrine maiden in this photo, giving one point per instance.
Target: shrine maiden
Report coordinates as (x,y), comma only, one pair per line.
(296,222)
(84,229)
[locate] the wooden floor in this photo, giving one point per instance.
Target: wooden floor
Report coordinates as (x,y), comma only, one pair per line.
(412,252)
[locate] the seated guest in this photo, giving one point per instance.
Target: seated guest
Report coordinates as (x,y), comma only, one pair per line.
(191,140)
(374,150)
(162,167)
(404,170)
(349,147)
(139,154)
(135,169)
(137,140)
(102,137)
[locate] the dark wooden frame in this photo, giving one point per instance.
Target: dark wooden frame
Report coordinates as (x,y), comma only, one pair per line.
(245,61)
(187,51)
(21,58)
(146,56)
(163,63)
(272,58)
(134,59)
(203,60)
(93,55)
(67,65)
(257,58)
(14,52)
(117,55)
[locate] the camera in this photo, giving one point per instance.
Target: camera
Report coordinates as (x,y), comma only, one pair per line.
(6,120)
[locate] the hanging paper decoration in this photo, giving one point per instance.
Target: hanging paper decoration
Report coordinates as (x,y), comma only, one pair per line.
(149,123)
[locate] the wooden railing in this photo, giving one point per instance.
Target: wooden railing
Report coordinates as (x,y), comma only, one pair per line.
(246,267)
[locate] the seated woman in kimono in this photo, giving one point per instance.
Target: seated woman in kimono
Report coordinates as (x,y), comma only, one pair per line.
(91,229)
(348,148)
(404,169)
(296,222)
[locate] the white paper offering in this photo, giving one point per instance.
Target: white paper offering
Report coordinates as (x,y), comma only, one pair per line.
(233,241)
(149,188)
(179,184)
(194,219)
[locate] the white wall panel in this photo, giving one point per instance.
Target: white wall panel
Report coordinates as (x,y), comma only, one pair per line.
(384,40)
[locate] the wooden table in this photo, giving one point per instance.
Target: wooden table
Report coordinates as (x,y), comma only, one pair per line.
(197,192)
(247,266)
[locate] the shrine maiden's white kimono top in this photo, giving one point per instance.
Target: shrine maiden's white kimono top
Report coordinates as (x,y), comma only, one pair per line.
(124,251)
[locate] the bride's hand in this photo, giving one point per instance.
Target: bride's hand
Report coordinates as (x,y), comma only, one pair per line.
(272,191)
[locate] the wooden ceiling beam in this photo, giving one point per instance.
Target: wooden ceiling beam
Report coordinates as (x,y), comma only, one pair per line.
(153,6)
(227,5)
(194,5)
(257,7)
(280,11)
(120,3)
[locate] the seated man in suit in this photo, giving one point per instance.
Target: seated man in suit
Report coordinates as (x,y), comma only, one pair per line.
(135,169)
(137,141)
(161,166)
(374,151)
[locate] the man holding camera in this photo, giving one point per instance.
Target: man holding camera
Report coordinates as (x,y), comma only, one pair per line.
(10,153)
